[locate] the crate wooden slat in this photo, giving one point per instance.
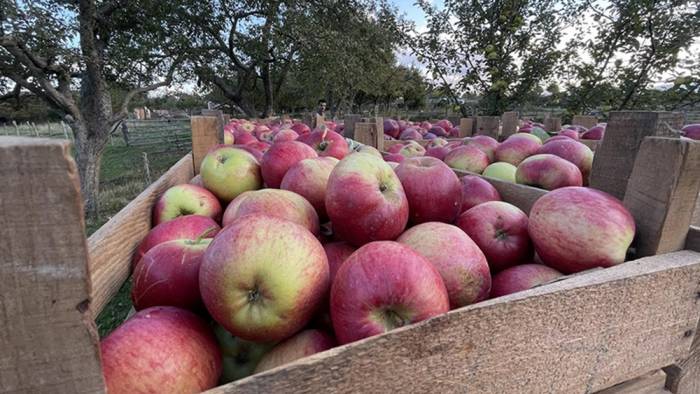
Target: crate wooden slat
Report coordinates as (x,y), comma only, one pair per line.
(205,134)
(488,125)
(585,121)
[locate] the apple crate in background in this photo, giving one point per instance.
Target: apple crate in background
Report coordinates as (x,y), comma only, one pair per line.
(631,328)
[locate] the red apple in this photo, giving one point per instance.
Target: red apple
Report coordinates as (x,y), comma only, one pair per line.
(285,135)
(309,179)
(485,143)
(521,277)
(573,151)
(391,128)
(396,148)
(301,345)
(327,143)
(161,350)
(301,128)
(517,148)
(337,253)
(197,181)
(395,157)
(228,171)
(467,158)
(460,262)
(382,286)
(445,124)
(365,200)
(411,134)
(168,274)
(573,134)
(476,190)
(263,278)
(280,157)
(548,172)
(186,199)
(594,133)
(438,131)
(578,228)
(184,227)
(282,204)
(245,138)
(500,230)
(692,131)
(432,189)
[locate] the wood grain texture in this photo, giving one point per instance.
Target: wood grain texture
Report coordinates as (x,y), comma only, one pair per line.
(522,196)
(580,335)
(349,124)
(48,340)
(509,124)
(552,124)
(112,246)
(614,158)
(651,383)
(593,144)
(684,377)
(466,127)
(205,134)
(661,193)
(586,121)
(488,125)
(367,133)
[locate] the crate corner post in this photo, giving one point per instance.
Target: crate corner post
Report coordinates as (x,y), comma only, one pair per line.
(206,132)
(47,328)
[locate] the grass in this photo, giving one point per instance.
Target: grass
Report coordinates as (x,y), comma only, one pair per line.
(122,178)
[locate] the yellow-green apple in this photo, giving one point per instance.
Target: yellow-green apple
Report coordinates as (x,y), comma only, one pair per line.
(517,147)
(303,344)
(382,286)
(412,149)
(327,143)
(245,127)
(228,172)
(282,204)
(501,170)
(263,278)
(168,274)
(186,199)
(594,133)
(365,200)
(541,135)
(501,232)
(460,262)
(280,157)
(184,227)
(309,179)
(228,136)
(521,277)
(369,149)
(432,189)
(239,357)
(161,350)
(548,172)
(476,190)
(573,151)
(197,180)
(578,228)
(467,158)
(487,145)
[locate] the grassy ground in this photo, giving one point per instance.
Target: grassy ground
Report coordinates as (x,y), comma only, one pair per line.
(122,178)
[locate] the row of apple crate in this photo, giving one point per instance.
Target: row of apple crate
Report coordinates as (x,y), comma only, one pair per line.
(656,293)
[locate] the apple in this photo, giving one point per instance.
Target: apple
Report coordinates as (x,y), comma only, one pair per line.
(301,128)
(184,227)
(578,228)
(244,139)
(594,133)
(228,171)
(454,132)
(476,190)
(197,180)
(501,170)
(280,157)
(253,149)
(186,199)
(411,134)
(521,277)
(437,151)
(517,148)
(432,189)
(382,286)
(396,148)
(467,158)
(548,172)
(229,138)
(240,357)
(369,150)
(541,135)
(573,134)
(263,278)
(282,204)
(391,128)
(285,135)
(309,179)
(485,143)
(365,200)
(460,262)
(412,149)
(327,143)
(438,131)
(572,151)
(245,127)
(429,136)
(395,158)
(500,230)
(161,350)
(445,124)
(301,345)
(337,253)
(692,131)
(425,125)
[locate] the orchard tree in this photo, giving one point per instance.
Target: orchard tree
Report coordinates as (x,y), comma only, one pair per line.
(71,53)
(500,51)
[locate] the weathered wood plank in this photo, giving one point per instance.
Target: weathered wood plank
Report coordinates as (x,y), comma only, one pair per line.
(522,196)
(692,240)
(370,133)
(586,121)
(579,335)
(488,125)
(661,193)
(614,158)
(552,124)
(112,246)
(48,341)
(651,383)
(349,125)
(205,134)
(593,144)
(509,124)
(466,127)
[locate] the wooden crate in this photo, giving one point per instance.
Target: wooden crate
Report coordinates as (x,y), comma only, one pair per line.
(627,329)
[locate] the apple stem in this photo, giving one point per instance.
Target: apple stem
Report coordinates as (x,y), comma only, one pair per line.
(204,234)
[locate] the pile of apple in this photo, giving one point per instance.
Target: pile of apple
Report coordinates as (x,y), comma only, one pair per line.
(406,130)
(529,157)
(259,262)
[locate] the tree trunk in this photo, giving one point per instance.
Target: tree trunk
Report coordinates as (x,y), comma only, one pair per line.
(88,153)
(268,110)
